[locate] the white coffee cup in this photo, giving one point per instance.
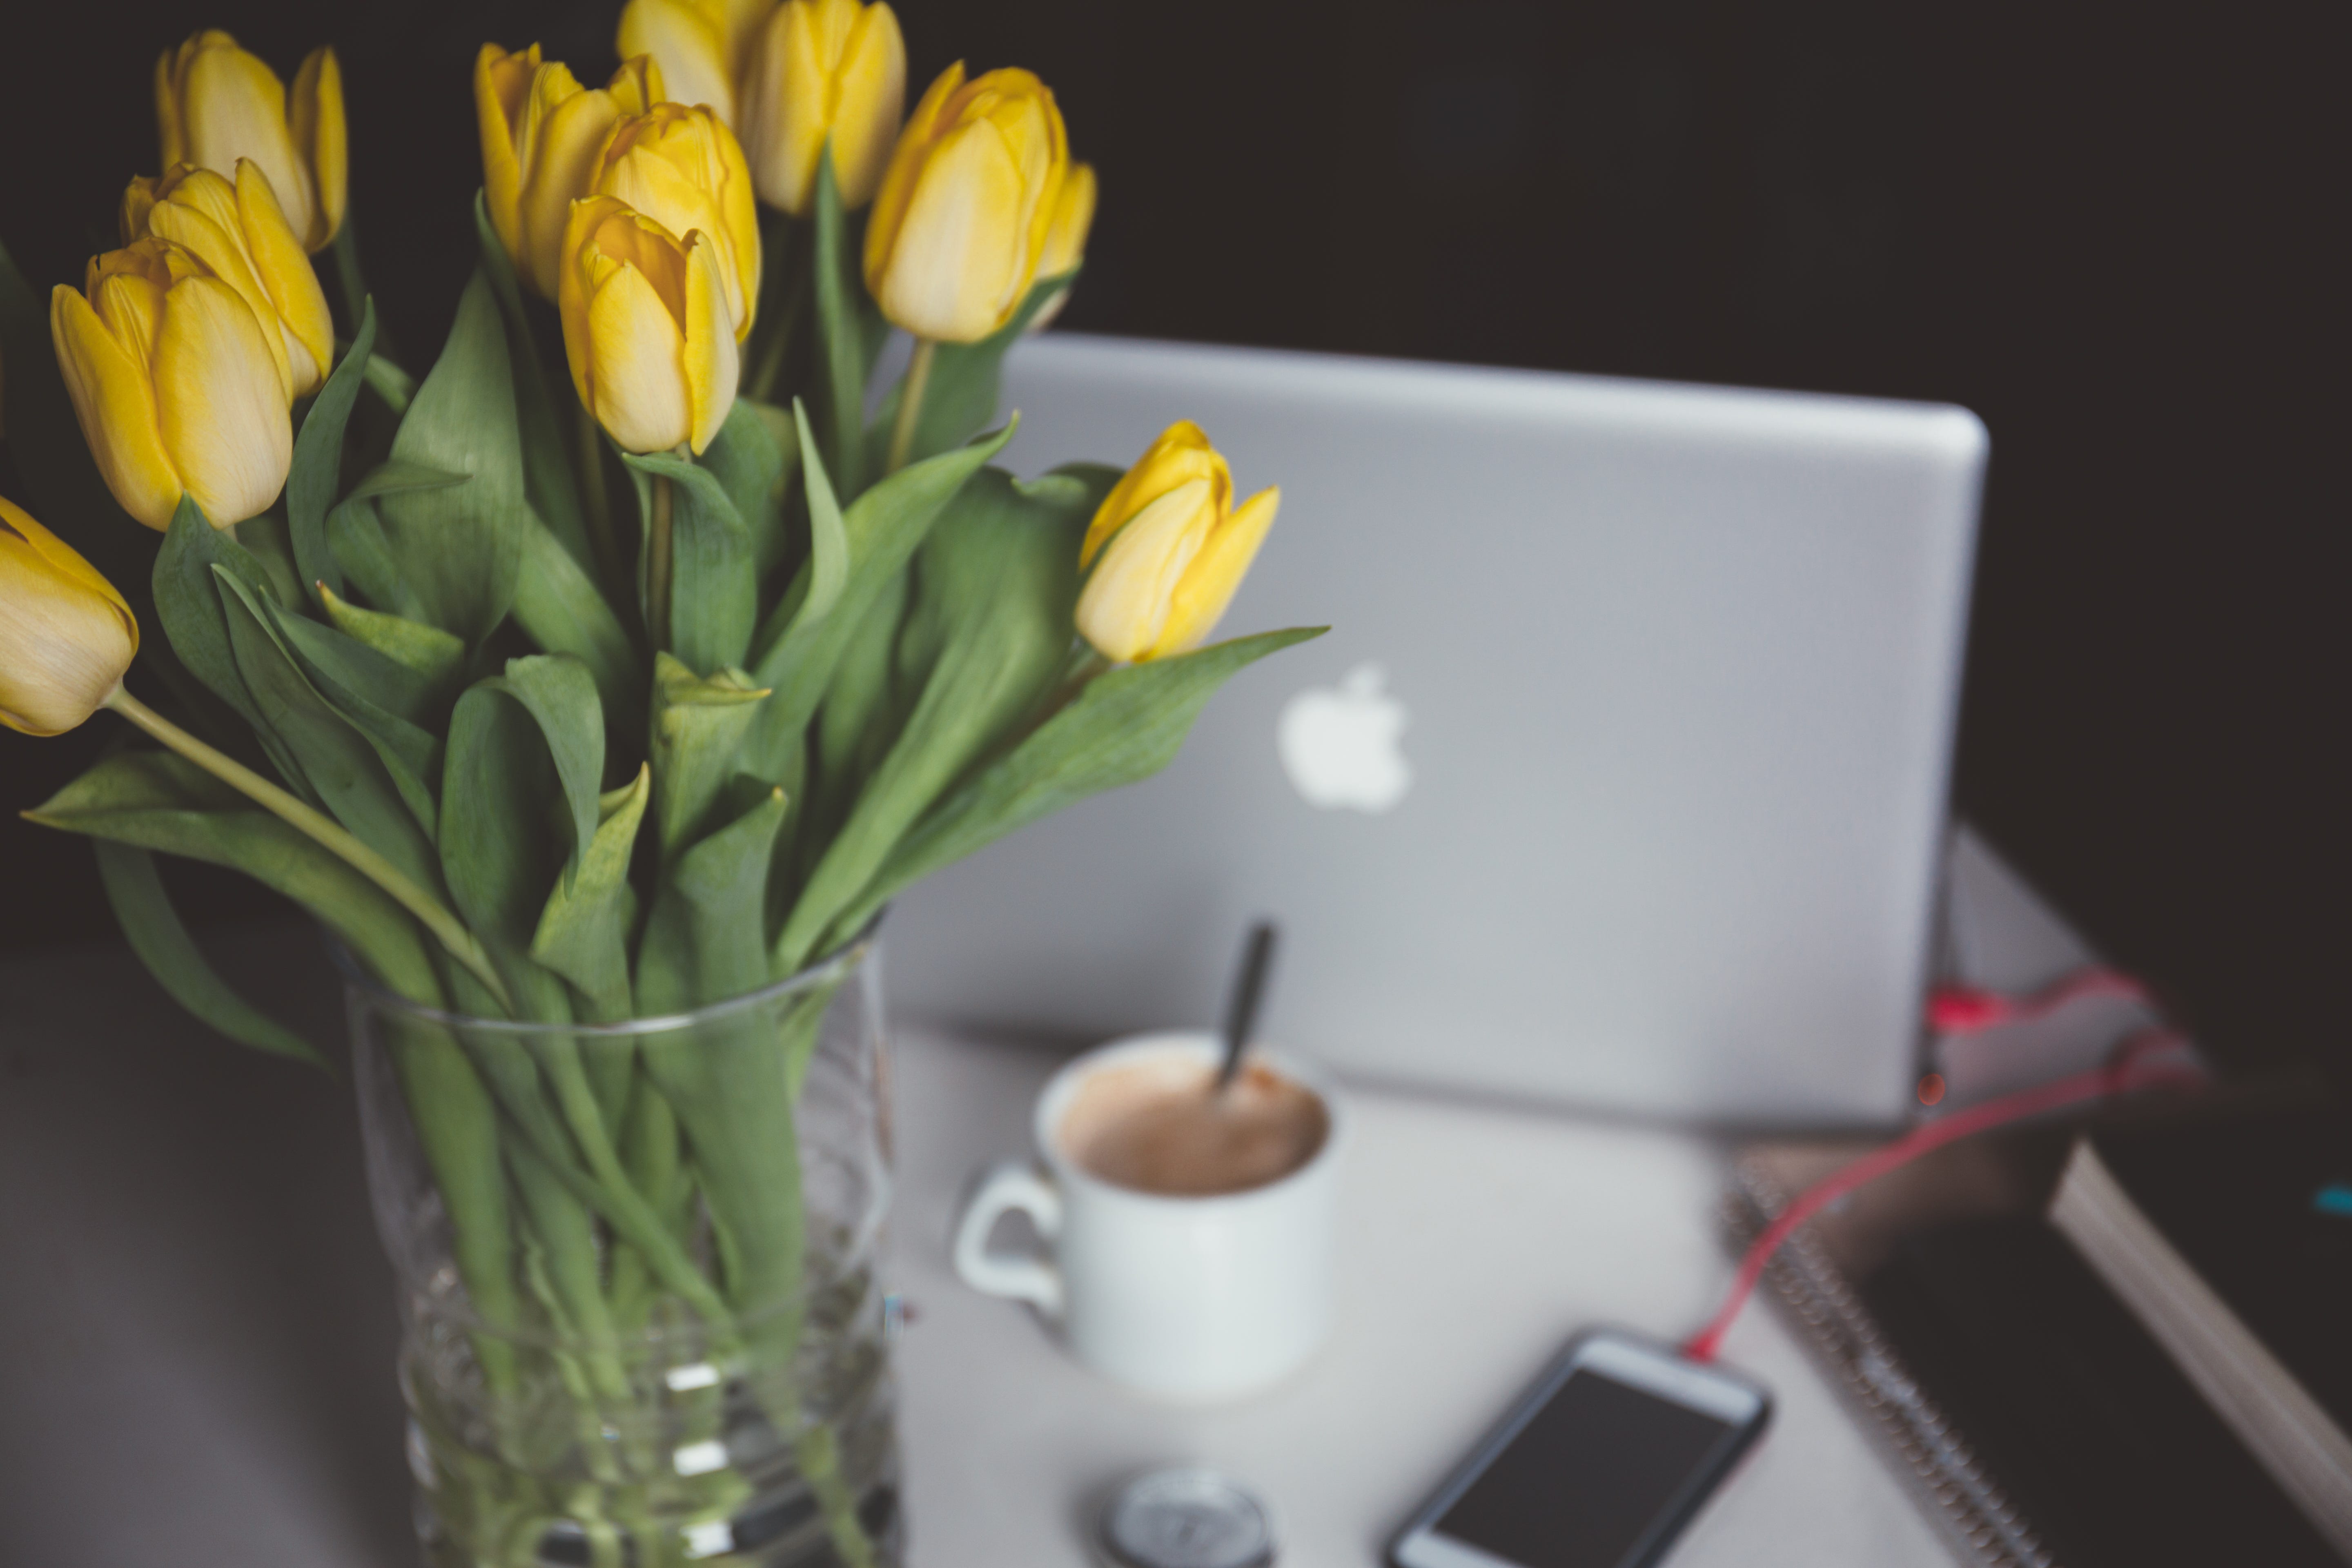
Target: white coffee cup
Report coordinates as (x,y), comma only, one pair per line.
(1191,1299)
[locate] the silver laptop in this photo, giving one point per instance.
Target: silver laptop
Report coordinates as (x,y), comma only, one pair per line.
(1619,782)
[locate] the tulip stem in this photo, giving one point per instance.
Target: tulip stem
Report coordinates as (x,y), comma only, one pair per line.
(911,404)
(596,499)
(325,831)
(657,567)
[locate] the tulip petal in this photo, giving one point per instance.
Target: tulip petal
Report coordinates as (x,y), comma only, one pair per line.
(65,635)
(640,386)
(1074,216)
(906,167)
(503,84)
(218,403)
(563,159)
(234,107)
(1124,607)
(191,224)
(1178,454)
(167,109)
(960,248)
(116,407)
(574,285)
(869,92)
(1208,587)
(688,47)
(323,141)
(713,368)
(301,305)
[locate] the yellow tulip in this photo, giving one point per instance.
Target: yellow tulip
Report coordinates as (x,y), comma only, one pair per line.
(176,385)
(646,328)
(239,232)
(66,635)
(216,103)
(959,223)
(701,44)
(1074,215)
(1172,550)
(823,68)
(682,167)
(1066,241)
(542,133)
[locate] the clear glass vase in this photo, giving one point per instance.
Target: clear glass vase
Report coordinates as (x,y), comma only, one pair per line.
(642,1318)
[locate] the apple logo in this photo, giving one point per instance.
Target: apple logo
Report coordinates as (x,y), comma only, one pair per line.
(1338,744)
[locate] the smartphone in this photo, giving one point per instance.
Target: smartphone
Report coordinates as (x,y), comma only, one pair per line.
(1599,1465)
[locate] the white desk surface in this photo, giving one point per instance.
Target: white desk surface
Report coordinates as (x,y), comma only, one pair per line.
(1472,1242)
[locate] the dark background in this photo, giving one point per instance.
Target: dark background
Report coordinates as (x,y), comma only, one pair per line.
(2108,228)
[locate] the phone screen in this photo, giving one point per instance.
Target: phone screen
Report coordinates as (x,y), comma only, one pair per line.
(1580,1484)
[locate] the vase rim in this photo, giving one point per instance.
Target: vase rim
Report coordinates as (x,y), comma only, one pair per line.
(847,956)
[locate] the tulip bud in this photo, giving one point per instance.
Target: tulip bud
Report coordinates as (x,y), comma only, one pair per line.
(1066,241)
(1172,547)
(542,133)
(240,233)
(682,167)
(215,104)
(823,68)
(961,221)
(646,328)
(176,385)
(700,45)
(66,635)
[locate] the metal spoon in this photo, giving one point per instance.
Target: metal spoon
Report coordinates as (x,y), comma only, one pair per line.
(1241,1002)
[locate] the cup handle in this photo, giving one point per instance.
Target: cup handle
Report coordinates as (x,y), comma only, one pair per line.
(1005,1188)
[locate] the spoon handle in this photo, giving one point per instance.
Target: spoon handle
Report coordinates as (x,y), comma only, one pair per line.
(1248,992)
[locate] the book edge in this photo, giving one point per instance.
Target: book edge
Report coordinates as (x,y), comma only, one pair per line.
(2313,1465)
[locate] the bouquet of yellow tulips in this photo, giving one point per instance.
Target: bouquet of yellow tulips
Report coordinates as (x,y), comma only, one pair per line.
(617,665)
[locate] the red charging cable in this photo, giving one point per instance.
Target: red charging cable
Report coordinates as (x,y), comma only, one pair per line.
(1968,1010)
(2124,1071)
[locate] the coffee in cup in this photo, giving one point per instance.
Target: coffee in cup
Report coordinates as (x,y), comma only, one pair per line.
(1161,1124)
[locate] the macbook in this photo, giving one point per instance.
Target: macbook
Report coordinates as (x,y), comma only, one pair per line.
(1619,782)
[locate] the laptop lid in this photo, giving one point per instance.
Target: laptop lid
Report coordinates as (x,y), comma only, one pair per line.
(1619,782)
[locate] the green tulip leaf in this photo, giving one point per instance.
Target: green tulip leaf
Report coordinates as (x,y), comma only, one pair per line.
(318,461)
(153,927)
(459,547)
(707,937)
(188,603)
(698,727)
(583,932)
(428,653)
(560,695)
(547,474)
(558,607)
(366,687)
(849,336)
(753,455)
(501,848)
(883,526)
(999,581)
(395,385)
(158,801)
(363,782)
(1125,726)
(828,557)
(265,539)
(961,395)
(355,538)
(859,716)
(714,592)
